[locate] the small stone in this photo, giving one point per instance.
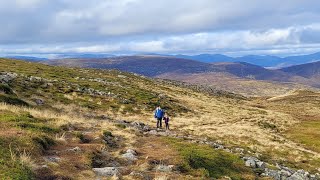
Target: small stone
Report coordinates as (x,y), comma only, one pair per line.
(106,171)
(285,173)
(75,149)
(130,155)
(52,159)
(131,151)
(39,102)
(153,132)
(261,165)
(251,163)
(164,168)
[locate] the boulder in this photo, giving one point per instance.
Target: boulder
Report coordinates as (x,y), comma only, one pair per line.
(272,173)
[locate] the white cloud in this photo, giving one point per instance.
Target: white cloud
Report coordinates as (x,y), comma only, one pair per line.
(157,26)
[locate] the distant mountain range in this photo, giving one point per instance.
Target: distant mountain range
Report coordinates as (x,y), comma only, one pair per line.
(60,56)
(264,61)
(174,68)
(260,60)
(27,58)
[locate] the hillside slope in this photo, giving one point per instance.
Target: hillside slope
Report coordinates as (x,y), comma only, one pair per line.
(65,123)
(309,70)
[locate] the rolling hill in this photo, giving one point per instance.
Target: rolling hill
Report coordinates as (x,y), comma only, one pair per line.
(309,70)
(157,65)
(215,74)
(64,123)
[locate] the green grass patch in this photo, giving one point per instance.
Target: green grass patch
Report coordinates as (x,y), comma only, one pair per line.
(12,168)
(10,99)
(307,133)
(107,133)
(28,122)
(6,89)
(38,127)
(267,125)
(209,162)
(121,126)
(83,138)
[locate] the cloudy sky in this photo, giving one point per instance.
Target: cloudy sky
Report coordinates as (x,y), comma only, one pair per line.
(233,27)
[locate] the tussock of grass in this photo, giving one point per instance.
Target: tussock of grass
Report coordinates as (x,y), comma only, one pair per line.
(44,142)
(206,161)
(107,133)
(121,126)
(10,166)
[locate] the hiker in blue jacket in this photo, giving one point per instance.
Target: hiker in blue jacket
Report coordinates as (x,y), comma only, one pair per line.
(158,114)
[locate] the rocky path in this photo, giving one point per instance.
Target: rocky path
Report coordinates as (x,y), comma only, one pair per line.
(263,169)
(147,157)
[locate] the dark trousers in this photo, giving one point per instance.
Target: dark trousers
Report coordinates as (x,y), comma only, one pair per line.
(167,126)
(159,122)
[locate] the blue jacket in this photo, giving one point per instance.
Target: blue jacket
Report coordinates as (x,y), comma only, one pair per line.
(159,113)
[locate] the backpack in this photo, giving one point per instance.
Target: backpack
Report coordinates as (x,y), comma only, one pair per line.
(158,113)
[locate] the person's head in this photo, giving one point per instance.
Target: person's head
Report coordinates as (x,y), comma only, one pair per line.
(159,107)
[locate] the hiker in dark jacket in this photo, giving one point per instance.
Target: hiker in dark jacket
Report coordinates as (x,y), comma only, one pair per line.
(158,114)
(166,121)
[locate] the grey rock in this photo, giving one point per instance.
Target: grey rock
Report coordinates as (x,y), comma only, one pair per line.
(164,168)
(261,165)
(285,173)
(7,77)
(218,146)
(251,163)
(130,155)
(153,132)
(39,102)
(131,151)
(107,171)
(52,159)
(75,149)
(239,150)
(273,174)
(297,176)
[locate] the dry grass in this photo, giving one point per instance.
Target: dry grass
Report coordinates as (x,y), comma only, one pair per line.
(61,138)
(26,159)
(161,177)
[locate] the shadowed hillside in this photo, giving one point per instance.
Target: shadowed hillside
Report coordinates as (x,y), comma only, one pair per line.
(238,77)
(310,70)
